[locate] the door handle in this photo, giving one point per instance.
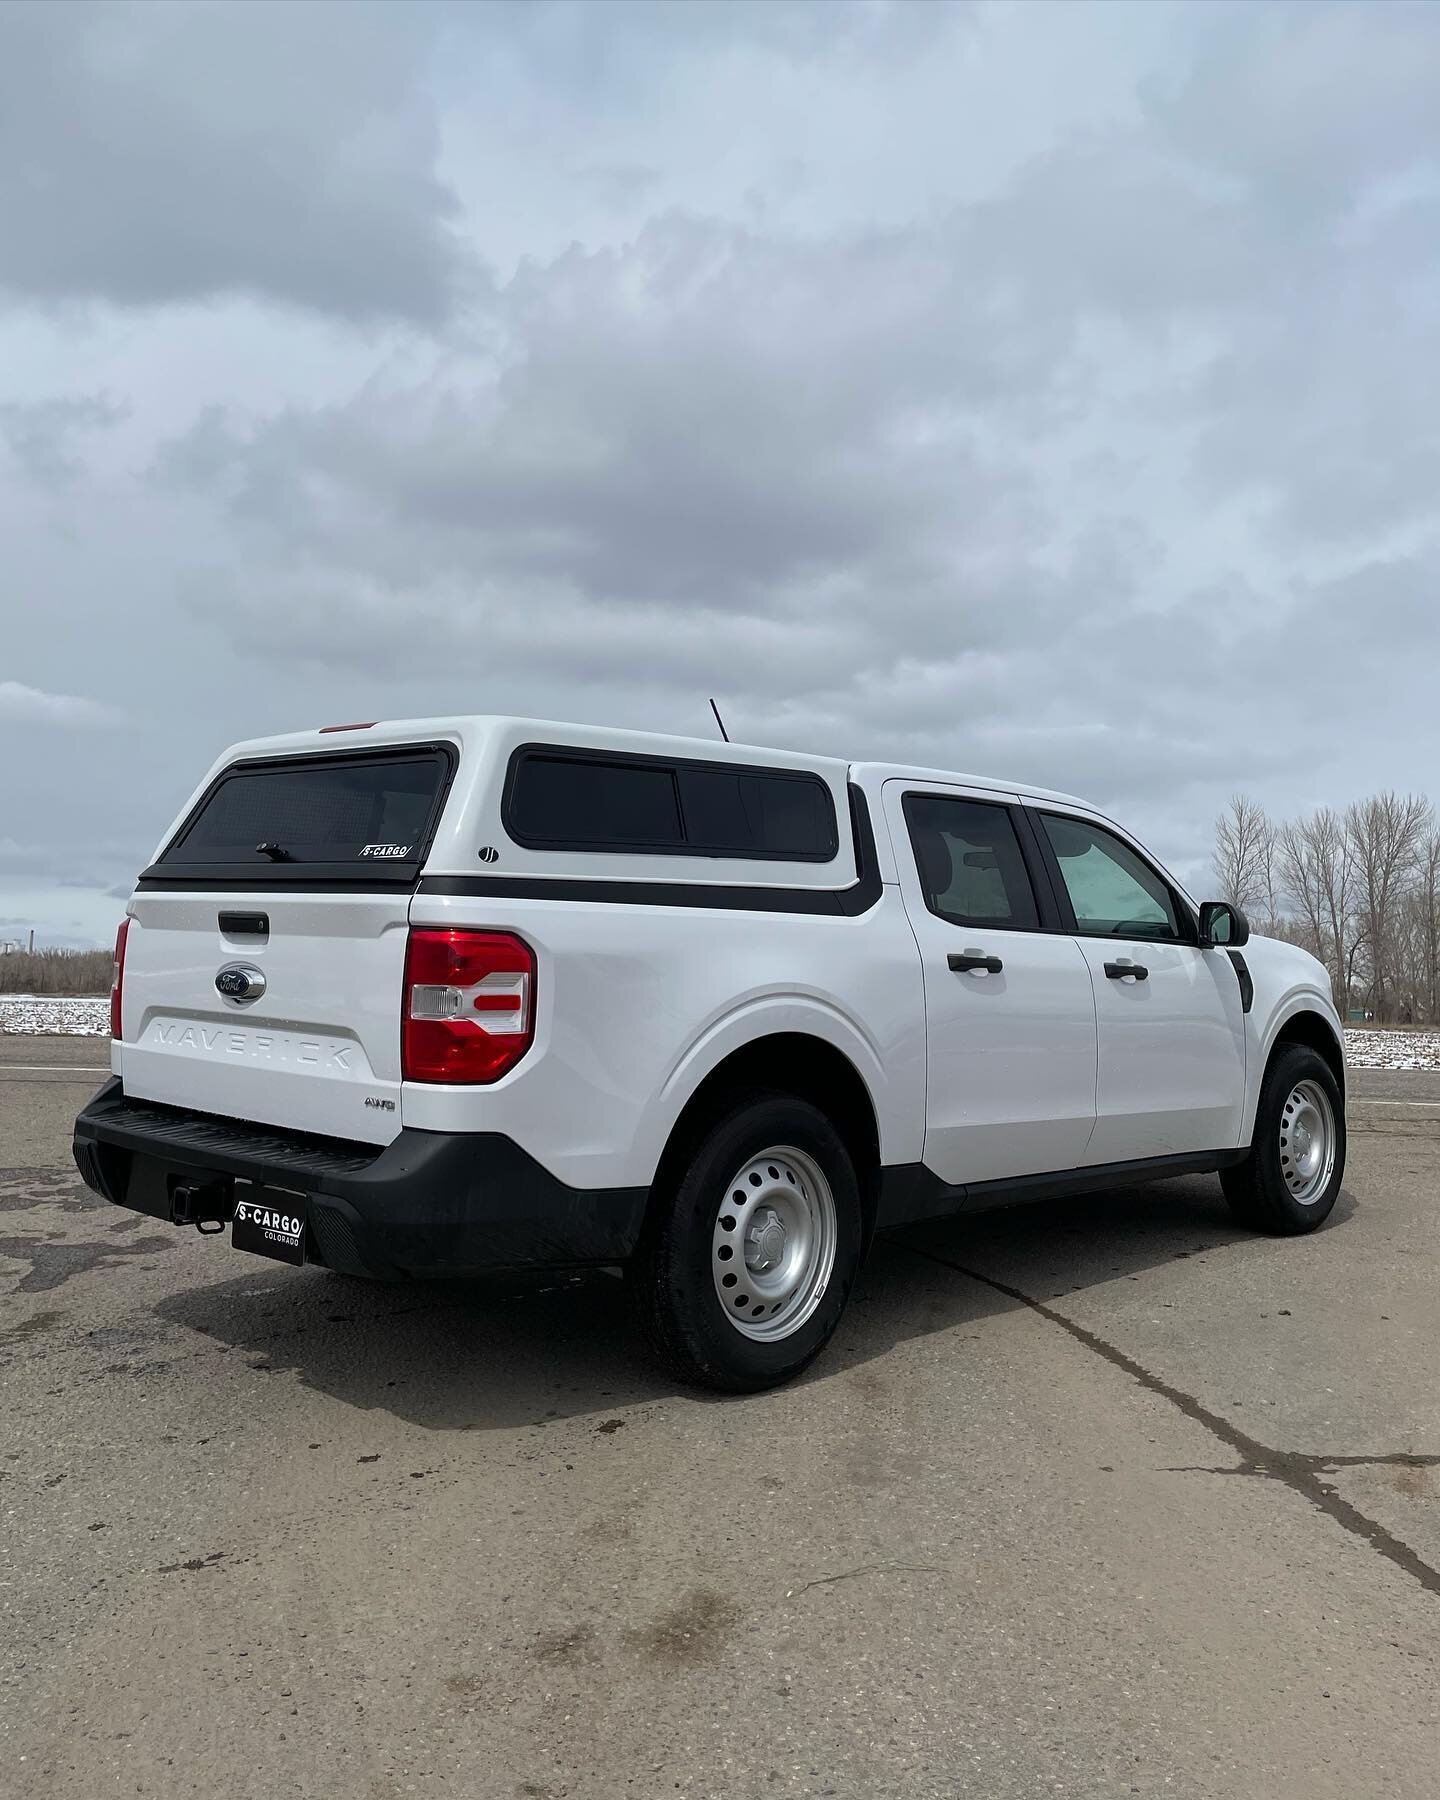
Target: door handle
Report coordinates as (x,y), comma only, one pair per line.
(974,962)
(1118,971)
(245,924)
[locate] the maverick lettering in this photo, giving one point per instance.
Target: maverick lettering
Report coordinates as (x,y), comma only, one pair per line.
(266,1046)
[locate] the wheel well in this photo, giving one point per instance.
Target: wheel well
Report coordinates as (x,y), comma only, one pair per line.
(790,1062)
(1316,1034)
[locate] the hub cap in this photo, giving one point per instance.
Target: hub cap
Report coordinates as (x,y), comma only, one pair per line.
(1307,1142)
(774,1243)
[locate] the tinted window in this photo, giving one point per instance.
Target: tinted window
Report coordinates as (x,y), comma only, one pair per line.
(1114,892)
(696,809)
(566,801)
(970,865)
(733,810)
(374,811)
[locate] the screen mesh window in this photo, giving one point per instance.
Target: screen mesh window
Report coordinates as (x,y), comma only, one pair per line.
(969,861)
(375,811)
(1114,892)
(558,802)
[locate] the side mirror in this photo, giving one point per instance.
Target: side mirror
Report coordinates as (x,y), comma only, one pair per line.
(1222,926)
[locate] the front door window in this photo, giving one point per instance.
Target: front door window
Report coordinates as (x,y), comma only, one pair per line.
(1114,892)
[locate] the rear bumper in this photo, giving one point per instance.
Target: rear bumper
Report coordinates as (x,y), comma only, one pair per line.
(426,1204)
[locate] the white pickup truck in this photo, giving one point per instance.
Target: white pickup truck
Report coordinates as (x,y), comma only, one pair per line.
(456,995)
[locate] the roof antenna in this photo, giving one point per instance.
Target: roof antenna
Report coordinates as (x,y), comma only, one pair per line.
(719,721)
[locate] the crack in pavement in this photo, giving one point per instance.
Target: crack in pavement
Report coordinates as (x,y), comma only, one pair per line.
(875,1568)
(1319,1465)
(1299,1472)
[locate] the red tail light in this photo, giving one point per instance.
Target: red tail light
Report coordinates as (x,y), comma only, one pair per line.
(469,1008)
(117,979)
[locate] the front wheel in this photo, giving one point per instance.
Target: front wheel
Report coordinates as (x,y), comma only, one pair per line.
(746,1268)
(1291,1179)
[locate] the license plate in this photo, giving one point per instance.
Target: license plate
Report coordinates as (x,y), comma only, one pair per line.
(271,1226)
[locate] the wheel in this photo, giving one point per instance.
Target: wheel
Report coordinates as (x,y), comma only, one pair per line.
(748,1262)
(1291,1178)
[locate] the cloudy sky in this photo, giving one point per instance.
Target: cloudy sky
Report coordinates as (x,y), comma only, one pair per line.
(1041,391)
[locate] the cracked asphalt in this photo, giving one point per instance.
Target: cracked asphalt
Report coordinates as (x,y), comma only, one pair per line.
(1089,1499)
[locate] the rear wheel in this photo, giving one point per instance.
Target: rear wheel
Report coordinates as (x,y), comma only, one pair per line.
(749,1261)
(1289,1182)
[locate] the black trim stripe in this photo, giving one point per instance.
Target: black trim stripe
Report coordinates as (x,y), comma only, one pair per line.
(636,893)
(849,902)
(911,1193)
(260,884)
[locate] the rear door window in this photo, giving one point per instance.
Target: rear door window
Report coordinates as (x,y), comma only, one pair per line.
(345,817)
(971,867)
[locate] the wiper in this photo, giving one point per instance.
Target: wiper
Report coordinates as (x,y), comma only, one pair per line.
(276,852)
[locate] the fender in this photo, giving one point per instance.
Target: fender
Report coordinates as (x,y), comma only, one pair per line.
(1304,998)
(898,1101)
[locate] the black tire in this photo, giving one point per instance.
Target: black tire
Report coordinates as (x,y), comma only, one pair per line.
(1257,1190)
(673,1279)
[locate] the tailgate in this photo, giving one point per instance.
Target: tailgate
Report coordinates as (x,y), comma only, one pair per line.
(318,1050)
(266,951)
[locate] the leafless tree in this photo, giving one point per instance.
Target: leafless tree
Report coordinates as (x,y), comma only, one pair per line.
(1385,834)
(1317,872)
(1419,934)
(1244,857)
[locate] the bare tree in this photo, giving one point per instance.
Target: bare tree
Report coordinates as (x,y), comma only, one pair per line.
(1425,934)
(1244,857)
(1317,871)
(1385,834)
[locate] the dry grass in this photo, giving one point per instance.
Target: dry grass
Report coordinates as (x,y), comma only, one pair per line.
(55,972)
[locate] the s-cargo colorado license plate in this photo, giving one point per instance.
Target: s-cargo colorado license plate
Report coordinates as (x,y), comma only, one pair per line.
(274,1226)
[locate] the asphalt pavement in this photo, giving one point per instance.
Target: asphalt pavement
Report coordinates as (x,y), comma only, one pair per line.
(1101,1498)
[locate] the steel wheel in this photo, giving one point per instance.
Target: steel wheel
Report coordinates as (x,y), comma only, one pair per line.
(773,1247)
(1307,1142)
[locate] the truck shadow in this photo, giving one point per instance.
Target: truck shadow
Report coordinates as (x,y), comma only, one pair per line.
(522,1351)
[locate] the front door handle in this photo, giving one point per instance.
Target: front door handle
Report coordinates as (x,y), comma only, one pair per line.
(974,962)
(1118,971)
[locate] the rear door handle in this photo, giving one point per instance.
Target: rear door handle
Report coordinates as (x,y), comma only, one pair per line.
(1118,971)
(974,962)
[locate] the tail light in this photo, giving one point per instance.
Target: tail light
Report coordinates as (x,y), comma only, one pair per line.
(469,1008)
(117,978)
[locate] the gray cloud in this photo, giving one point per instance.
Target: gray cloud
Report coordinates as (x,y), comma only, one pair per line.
(46,437)
(702,417)
(175,152)
(33,706)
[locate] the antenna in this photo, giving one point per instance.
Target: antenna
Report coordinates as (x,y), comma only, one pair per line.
(719,721)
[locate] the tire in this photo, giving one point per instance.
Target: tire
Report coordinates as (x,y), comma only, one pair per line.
(770,1161)
(1291,1178)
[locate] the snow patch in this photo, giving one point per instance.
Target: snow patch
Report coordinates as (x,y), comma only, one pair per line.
(1392,1049)
(38,1015)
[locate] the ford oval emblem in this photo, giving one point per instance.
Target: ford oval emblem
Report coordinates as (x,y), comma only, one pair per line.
(240,982)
